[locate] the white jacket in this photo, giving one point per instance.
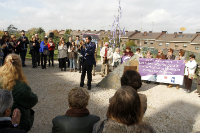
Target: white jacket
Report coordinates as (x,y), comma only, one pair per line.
(116,58)
(109,54)
(191,67)
(140,55)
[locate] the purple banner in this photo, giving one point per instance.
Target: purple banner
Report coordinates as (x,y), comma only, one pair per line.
(125,58)
(151,66)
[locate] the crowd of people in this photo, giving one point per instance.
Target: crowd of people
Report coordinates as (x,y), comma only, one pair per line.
(126,108)
(190,66)
(124,114)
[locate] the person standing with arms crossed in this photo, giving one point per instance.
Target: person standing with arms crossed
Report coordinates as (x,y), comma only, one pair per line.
(88,61)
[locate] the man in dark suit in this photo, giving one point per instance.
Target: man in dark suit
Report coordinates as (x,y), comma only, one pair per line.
(88,61)
(23,47)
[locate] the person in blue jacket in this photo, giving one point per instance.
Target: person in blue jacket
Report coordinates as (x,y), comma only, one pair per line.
(88,61)
(43,52)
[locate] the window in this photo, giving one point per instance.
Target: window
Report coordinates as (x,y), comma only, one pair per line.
(184,45)
(189,36)
(151,42)
(176,45)
(145,42)
(180,36)
(138,41)
(160,44)
(167,44)
(196,48)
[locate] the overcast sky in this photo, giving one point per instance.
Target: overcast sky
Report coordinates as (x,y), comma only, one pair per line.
(167,15)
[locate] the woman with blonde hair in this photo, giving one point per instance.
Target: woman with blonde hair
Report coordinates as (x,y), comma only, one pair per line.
(12,78)
(148,54)
(79,55)
(160,55)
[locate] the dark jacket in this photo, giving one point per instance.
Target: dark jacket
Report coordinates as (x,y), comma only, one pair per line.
(90,50)
(24,100)
(171,57)
(7,127)
(6,50)
(16,48)
(34,49)
(23,43)
(68,124)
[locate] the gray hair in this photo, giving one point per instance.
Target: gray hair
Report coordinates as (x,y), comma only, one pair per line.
(6,100)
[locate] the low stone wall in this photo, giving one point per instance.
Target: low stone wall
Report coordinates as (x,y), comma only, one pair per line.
(112,80)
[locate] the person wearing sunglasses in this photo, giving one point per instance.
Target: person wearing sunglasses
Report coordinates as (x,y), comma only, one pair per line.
(190,67)
(170,55)
(160,55)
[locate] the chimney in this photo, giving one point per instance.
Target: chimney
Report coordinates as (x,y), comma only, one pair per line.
(175,34)
(150,31)
(180,32)
(145,33)
(164,32)
(197,32)
(94,30)
(78,31)
(108,30)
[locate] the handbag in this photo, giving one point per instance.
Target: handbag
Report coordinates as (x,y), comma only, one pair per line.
(46,52)
(191,76)
(105,60)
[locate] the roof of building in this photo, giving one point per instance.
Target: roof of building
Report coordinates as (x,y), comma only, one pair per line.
(179,37)
(128,34)
(148,36)
(196,40)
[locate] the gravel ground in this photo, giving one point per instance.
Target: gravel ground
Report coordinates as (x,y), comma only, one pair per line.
(169,110)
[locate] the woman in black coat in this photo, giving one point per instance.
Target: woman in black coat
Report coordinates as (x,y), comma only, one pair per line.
(8,49)
(34,50)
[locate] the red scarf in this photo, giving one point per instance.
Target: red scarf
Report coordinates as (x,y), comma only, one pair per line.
(77,112)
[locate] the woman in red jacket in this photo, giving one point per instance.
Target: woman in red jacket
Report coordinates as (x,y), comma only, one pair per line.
(51,47)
